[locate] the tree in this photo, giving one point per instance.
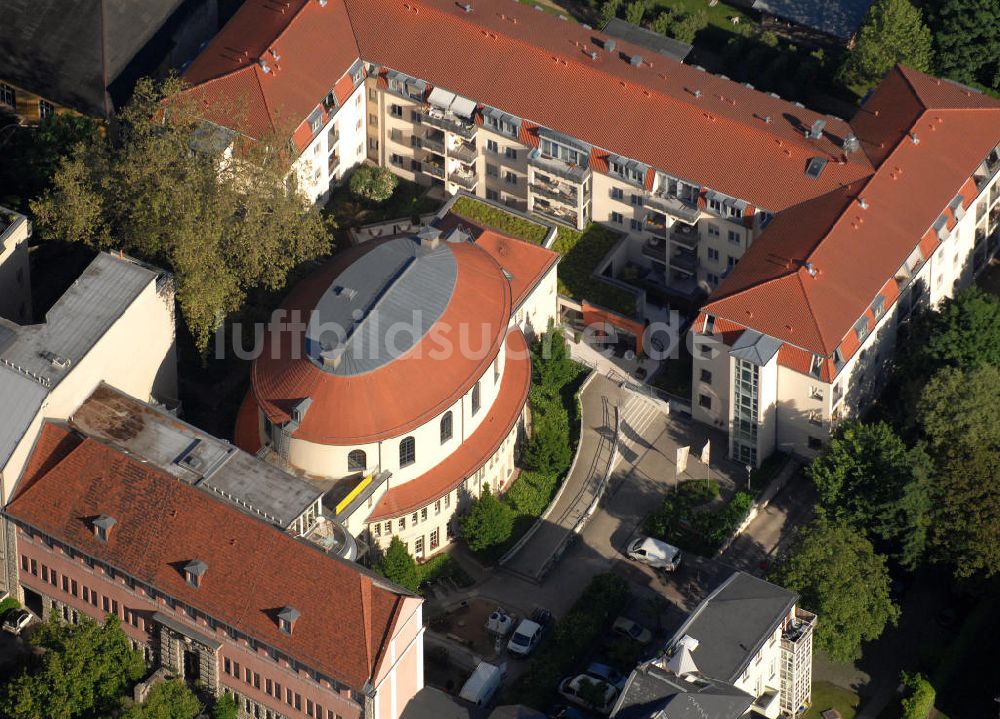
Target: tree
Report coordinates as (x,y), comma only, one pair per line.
(959,411)
(689,25)
(398,566)
(920,695)
(225,707)
(83,671)
(967,41)
(841,578)
(159,186)
(609,11)
(488,523)
(635,11)
(893,32)
(375,184)
(964,332)
(167,700)
(551,364)
(868,478)
(548,450)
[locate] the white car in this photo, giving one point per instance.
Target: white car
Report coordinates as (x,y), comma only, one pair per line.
(605,673)
(655,553)
(16,621)
(632,630)
(525,638)
(582,689)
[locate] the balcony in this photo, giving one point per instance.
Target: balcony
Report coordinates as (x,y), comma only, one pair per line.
(573,173)
(655,250)
(684,235)
(554,212)
(467,180)
(433,169)
(656,223)
(684,260)
(464,153)
(449,123)
(798,627)
(433,141)
(554,191)
(672,206)
(333,163)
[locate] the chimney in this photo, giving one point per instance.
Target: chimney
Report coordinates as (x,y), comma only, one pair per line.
(816,131)
(429,237)
(609,45)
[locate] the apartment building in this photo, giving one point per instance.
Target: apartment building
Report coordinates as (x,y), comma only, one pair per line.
(408,388)
(15,268)
(210,593)
(746,650)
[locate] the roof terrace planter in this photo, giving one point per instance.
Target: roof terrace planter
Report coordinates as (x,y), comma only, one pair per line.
(554,192)
(449,123)
(574,173)
(672,206)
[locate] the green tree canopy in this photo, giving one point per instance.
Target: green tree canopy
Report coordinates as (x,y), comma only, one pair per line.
(398,566)
(167,700)
(225,707)
(375,184)
(964,332)
(160,186)
(635,11)
(841,578)
(967,40)
(82,672)
(893,32)
(960,410)
(488,523)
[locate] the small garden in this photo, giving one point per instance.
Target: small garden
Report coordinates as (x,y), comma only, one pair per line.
(374,197)
(581,253)
(397,565)
(829,696)
(496,219)
(603,599)
(693,517)
(494,524)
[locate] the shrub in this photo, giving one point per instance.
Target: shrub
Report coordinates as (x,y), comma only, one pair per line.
(488,523)
(398,566)
(8,604)
(225,707)
(921,695)
(506,222)
(375,184)
(635,11)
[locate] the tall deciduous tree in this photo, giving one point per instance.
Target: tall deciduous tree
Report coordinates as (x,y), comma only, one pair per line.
(162,186)
(488,523)
(841,578)
(959,411)
(83,671)
(398,566)
(225,707)
(167,700)
(964,332)
(967,38)
(893,32)
(375,184)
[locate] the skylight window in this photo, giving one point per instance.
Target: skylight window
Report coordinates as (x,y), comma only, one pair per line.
(814,167)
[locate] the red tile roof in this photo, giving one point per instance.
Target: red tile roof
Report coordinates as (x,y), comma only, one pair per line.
(476,449)
(254,569)
(404,393)
(853,251)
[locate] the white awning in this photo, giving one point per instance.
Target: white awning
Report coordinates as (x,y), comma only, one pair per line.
(463,106)
(441,98)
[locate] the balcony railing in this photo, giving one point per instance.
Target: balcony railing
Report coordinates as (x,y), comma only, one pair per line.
(333,164)
(434,144)
(574,173)
(557,213)
(449,123)
(655,223)
(672,206)
(684,260)
(432,168)
(554,192)
(463,153)
(684,235)
(467,180)
(655,250)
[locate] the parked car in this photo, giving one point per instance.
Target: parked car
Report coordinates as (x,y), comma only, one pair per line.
(579,690)
(655,553)
(480,687)
(525,638)
(633,630)
(607,674)
(565,711)
(16,620)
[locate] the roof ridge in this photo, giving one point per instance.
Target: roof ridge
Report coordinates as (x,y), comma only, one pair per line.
(812,315)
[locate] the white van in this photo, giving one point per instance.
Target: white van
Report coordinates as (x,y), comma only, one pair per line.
(654,553)
(482,685)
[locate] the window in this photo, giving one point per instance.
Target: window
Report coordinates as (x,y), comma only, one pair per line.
(475,398)
(705,401)
(437,507)
(636,200)
(617,193)
(617,218)
(715,204)
(496,369)
(713,230)
(388,527)
(418,546)
(435,539)
(492,170)
(734,237)
(861,328)
(8,96)
(446,427)
(407,452)
(395,110)
(731,262)
(492,146)
(635,225)
(713,279)
(492,195)
(713,254)
(413,519)
(706,376)
(45,109)
(447,500)
(357,461)
(510,178)
(415,117)
(510,153)
(423,514)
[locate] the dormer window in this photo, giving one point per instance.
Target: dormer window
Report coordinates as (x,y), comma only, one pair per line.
(194,571)
(286,619)
(861,328)
(102,526)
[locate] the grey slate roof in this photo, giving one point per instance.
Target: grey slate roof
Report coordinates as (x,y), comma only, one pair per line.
(652,691)
(839,18)
(733,622)
(755,347)
(72,327)
(398,283)
(70,51)
(195,457)
(656,42)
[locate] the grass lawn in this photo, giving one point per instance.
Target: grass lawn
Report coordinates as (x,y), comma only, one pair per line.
(830,696)
(407,200)
(494,218)
(441,567)
(581,252)
(718,16)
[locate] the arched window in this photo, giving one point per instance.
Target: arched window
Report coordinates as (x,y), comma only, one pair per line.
(356,461)
(407,452)
(475,398)
(446,428)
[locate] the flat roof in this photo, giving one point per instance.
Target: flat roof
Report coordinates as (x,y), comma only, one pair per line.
(661,44)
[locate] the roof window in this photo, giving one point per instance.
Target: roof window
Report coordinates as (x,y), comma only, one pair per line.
(194,571)
(287,618)
(814,168)
(102,526)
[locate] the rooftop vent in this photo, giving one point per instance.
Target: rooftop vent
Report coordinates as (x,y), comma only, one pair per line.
(767,119)
(467,7)
(863,203)
(816,131)
(635,60)
(851,143)
(914,139)
(102,526)
(322,3)
(194,571)
(811,269)
(264,66)
(286,619)
(593,54)
(609,45)
(429,238)
(57,361)
(696,93)
(341,291)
